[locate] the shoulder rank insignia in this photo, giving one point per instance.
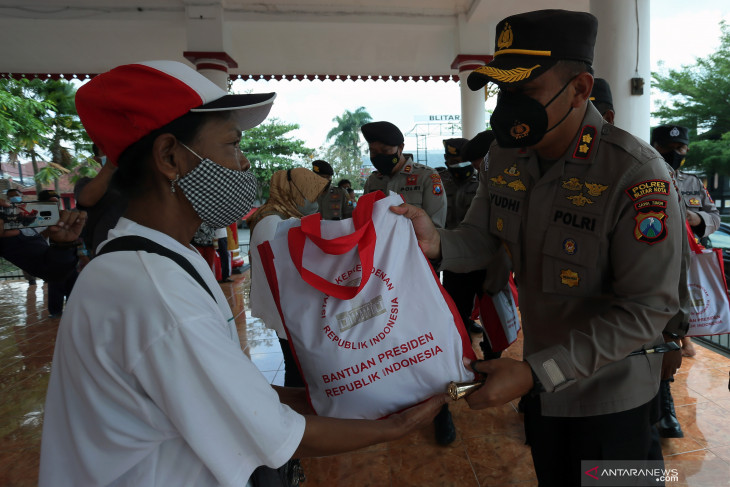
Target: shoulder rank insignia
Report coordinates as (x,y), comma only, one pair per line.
(595,189)
(572,184)
(584,146)
(517,185)
(407,168)
(708,195)
(694,202)
(569,277)
(650,222)
(512,171)
(498,181)
(645,188)
(580,200)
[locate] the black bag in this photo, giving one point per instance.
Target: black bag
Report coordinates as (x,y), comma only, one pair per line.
(288,475)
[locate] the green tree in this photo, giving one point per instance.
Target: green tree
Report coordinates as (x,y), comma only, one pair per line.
(347,131)
(269,150)
(38,119)
(698,99)
(22,115)
(345,152)
(345,165)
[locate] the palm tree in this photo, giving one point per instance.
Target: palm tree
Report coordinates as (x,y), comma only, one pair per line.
(347,131)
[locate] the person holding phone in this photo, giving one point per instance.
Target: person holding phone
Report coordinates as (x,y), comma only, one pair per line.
(49,260)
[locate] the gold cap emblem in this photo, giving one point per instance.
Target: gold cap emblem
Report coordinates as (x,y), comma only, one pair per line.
(520,130)
(505,38)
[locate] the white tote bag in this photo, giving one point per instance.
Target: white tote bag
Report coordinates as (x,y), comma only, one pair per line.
(710,309)
(372,330)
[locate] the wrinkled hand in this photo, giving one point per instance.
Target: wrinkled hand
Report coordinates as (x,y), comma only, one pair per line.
(507,379)
(3,232)
(428,238)
(671,361)
(69,226)
(419,415)
(693,218)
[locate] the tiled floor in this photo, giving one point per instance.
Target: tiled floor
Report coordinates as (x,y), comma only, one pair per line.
(489,450)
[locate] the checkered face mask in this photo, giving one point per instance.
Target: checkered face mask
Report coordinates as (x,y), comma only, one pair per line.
(220,196)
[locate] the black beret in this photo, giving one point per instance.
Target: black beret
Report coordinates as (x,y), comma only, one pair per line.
(665,134)
(384,132)
(529,44)
(601,92)
(322,168)
(452,147)
(477,147)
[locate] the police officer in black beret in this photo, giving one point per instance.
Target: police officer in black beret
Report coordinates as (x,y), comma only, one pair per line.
(475,150)
(460,185)
(602,99)
(395,171)
(333,201)
(672,142)
(592,224)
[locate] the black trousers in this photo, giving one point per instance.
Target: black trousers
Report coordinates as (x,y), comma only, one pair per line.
(292,377)
(559,444)
(59,291)
(223,253)
(463,288)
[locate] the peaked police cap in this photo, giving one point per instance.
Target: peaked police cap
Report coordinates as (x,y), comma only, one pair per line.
(528,44)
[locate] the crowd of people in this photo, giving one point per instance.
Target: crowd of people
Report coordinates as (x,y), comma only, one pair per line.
(149,385)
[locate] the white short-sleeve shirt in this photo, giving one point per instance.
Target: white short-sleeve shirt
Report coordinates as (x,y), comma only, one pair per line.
(149,385)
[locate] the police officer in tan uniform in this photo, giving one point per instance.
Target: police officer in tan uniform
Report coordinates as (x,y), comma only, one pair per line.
(460,184)
(592,223)
(333,201)
(672,142)
(418,184)
(602,99)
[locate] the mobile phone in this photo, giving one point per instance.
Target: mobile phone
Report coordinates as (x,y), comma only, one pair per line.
(29,214)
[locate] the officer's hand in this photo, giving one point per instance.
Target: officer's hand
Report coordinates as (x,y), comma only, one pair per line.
(671,361)
(3,232)
(693,218)
(507,379)
(69,226)
(428,238)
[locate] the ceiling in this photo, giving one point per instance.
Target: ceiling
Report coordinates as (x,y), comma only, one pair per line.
(418,38)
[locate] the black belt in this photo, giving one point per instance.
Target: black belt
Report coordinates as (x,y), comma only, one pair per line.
(663,348)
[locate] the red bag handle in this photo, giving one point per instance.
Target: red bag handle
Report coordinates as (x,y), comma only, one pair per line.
(694,244)
(363,237)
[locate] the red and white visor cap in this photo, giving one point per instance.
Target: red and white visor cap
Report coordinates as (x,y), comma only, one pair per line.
(123,105)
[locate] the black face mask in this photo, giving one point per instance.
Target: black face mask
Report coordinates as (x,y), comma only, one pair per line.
(384,163)
(674,159)
(461,173)
(521,121)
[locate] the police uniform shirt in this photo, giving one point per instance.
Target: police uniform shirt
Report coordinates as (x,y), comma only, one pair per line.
(596,244)
(459,195)
(332,204)
(697,199)
(419,186)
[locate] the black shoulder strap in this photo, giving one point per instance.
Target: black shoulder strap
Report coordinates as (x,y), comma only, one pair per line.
(135,243)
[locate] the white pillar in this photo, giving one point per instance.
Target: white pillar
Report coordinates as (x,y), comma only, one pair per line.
(473,112)
(621,54)
(208,40)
